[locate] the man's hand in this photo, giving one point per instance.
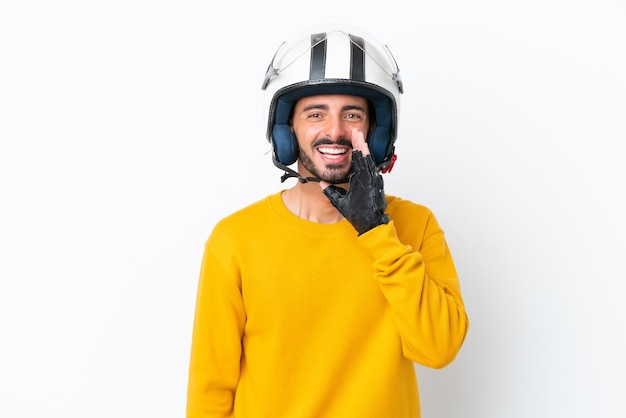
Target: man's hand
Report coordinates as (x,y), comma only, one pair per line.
(364,203)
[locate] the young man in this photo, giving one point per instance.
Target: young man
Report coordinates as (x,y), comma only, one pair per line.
(316,301)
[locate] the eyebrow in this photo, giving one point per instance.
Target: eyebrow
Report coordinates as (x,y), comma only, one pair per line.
(325,107)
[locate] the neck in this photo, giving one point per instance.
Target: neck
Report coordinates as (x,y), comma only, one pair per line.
(307,201)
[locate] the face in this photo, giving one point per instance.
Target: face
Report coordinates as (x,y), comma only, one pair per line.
(323,127)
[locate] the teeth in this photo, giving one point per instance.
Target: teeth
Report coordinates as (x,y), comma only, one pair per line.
(335,151)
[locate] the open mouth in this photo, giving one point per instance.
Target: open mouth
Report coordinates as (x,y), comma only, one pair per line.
(333,152)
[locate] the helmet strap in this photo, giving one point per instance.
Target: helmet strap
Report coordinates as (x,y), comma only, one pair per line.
(289,173)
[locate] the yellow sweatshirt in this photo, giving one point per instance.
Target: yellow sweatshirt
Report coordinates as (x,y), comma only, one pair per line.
(296,319)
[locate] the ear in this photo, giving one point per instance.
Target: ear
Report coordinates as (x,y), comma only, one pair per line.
(378,142)
(285,144)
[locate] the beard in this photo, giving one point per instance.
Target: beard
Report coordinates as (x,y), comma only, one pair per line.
(330,173)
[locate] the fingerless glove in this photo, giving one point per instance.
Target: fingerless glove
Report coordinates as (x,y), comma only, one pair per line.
(364,204)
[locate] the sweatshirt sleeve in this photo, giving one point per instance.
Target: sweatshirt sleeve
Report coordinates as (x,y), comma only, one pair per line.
(420,284)
(216,340)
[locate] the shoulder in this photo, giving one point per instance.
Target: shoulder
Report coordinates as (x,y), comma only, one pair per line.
(242,222)
(236,234)
(412,218)
(399,207)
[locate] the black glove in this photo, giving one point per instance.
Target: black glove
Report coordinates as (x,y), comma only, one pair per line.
(364,204)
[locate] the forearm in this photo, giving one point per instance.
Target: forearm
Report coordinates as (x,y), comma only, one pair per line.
(216,344)
(426,302)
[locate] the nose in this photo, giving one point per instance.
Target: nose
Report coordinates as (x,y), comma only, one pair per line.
(335,128)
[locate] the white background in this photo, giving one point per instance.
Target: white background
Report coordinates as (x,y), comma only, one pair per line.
(128,128)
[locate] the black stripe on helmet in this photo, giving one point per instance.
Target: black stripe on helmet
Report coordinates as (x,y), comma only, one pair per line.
(317,70)
(357,58)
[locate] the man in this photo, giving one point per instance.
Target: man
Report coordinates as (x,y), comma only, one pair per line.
(316,301)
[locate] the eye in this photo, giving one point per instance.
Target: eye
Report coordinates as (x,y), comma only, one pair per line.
(354,116)
(314,115)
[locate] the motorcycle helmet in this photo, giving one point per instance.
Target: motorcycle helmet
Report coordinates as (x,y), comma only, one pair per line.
(333,60)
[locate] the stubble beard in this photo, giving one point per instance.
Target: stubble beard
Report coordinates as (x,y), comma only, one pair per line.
(330,173)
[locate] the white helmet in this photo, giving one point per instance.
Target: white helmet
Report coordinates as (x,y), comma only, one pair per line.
(333,60)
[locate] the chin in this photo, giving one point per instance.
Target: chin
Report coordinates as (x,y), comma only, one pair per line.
(330,173)
(337,174)
(337,178)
